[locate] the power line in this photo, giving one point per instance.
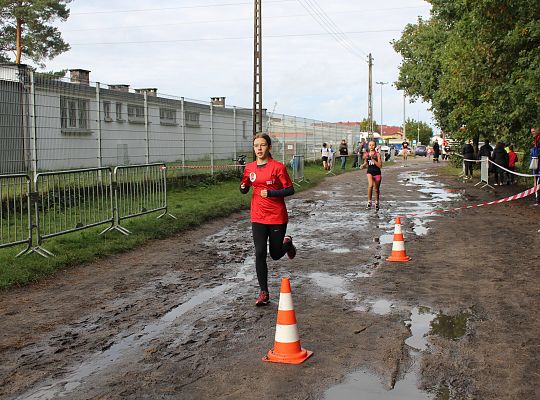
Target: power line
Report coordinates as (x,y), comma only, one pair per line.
(175,8)
(330,27)
(336,28)
(229,38)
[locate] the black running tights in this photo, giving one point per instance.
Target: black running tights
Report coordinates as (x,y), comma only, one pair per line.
(261,234)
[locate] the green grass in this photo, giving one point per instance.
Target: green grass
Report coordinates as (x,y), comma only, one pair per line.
(191,205)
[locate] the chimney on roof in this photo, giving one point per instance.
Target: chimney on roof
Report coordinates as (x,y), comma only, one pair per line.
(218,101)
(81,76)
(119,88)
(148,91)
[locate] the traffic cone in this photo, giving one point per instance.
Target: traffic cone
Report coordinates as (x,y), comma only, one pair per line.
(398,246)
(287,349)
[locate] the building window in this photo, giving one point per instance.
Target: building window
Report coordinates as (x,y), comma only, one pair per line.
(244,129)
(74,113)
(167,116)
(119,114)
(107,111)
(135,113)
(192,118)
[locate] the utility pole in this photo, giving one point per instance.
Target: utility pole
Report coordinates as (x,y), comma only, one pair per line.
(257,68)
(404,120)
(370,98)
(382,84)
(418,130)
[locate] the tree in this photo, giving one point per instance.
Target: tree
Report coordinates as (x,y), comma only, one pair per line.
(477,63)
(418,130)
(364,125)
(26,29)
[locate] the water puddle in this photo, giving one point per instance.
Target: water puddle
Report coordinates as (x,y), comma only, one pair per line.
(422,323)
(381,307)
(450,327)
(333,284)
(340,250)
(419,325)
(386,238)
(123,347)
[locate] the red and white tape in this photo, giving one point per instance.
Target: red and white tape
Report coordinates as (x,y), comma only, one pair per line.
(204,166)
(518,196)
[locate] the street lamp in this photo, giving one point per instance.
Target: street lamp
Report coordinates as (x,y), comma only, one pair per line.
(382,84)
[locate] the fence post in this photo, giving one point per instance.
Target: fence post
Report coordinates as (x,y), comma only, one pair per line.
(34,124)
(183,136)
(234,132)
(283,127)
(212,138)
(98,110)
(146,127)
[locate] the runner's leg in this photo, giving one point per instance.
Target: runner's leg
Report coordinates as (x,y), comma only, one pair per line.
(260,239)
(370,188)
(277,247)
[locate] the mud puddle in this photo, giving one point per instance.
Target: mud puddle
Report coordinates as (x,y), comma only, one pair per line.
(124,347)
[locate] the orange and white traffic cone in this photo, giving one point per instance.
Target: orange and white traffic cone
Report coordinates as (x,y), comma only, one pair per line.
(287,349)
(398,246)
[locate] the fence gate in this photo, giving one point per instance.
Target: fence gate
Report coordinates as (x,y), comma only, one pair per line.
(15,211)
(139,189)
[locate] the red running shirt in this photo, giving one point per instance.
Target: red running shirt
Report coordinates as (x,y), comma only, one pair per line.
(272,176)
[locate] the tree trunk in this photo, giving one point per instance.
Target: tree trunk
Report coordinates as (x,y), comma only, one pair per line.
(19,41)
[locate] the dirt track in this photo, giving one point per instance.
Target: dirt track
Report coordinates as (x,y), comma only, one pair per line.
(175,319)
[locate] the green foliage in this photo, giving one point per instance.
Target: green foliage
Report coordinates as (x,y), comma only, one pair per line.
(478,64)
(40,40)
(417,130)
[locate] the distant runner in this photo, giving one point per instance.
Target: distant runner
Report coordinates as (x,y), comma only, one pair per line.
(373,162)
(271,183)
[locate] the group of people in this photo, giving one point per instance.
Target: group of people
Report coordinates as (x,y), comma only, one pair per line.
(503,156)
(327,154)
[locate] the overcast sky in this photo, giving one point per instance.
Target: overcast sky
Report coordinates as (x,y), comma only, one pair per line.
(203,48)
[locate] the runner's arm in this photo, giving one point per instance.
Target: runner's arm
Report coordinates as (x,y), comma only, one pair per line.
(288,191)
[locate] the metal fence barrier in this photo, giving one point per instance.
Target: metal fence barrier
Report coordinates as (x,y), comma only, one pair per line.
(15,211)
(484,173)
(139,189)
(69,201)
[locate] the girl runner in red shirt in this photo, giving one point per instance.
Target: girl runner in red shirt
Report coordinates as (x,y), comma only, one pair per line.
(271,183)
(372,160)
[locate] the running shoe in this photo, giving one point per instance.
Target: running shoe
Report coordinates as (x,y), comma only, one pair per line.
(291,253)
(377,206)
(263,299)
(368,206)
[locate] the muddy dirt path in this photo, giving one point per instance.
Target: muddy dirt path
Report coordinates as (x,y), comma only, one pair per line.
(175,319)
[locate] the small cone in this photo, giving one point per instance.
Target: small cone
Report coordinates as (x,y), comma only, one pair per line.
(287,349)
(398,246)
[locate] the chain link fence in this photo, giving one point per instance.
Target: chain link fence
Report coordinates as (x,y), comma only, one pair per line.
(51,124)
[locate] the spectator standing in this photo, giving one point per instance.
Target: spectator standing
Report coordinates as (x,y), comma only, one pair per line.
(535,154)
(343,153)
(331,153)
(436,151)
(485,150)
(468,154)
(512,160)
(324,156)
(500,157)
